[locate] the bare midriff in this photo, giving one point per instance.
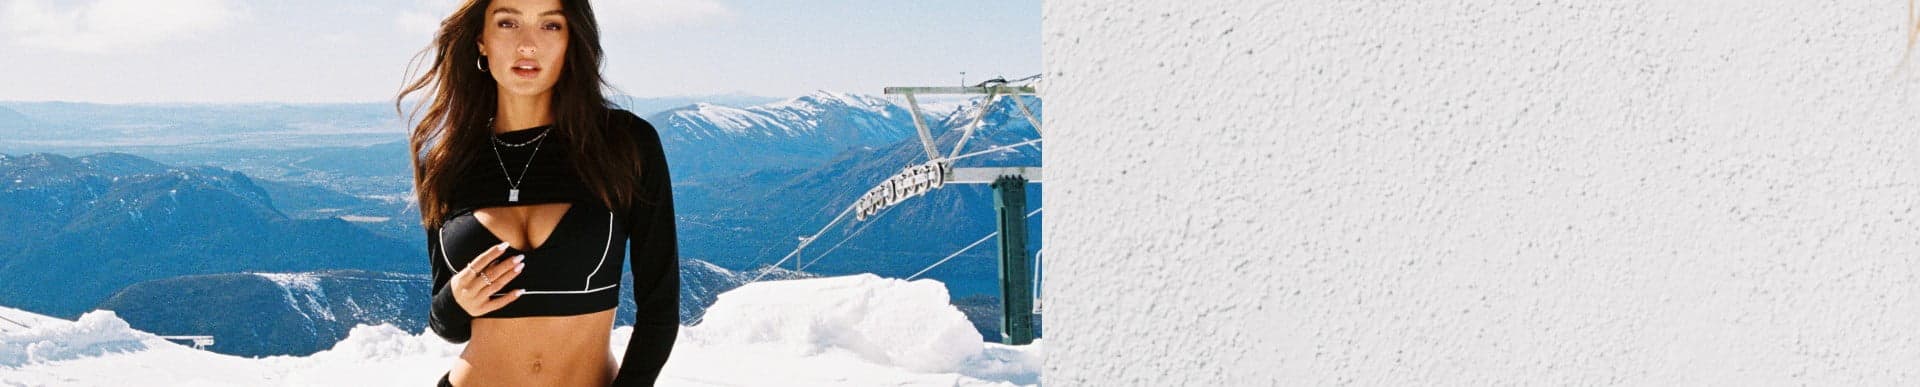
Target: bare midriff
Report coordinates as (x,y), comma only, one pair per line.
(537,351)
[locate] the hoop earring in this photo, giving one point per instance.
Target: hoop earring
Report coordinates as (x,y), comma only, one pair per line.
(481,63)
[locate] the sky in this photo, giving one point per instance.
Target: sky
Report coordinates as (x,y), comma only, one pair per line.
(225,51)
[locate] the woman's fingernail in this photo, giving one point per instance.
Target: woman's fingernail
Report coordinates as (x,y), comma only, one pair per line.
(518,258)
(519,266)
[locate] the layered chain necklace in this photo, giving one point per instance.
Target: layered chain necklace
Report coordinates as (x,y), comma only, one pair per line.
(513,183)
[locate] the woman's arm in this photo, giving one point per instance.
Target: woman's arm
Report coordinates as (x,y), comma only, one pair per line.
(447,318)
(655,260)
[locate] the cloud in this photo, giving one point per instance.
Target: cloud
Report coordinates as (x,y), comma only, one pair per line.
(108,25)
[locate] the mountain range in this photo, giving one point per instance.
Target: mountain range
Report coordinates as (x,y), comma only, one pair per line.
(706,139)
(83,228)
(299,313)
(125,232)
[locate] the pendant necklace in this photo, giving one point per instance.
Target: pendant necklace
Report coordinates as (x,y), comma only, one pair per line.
(513,184)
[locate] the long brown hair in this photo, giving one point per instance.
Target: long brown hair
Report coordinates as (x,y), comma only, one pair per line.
(452,131)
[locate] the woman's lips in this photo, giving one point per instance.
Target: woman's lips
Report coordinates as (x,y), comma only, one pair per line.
(526,69)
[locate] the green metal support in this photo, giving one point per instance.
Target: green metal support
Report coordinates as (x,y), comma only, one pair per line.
(1016,269)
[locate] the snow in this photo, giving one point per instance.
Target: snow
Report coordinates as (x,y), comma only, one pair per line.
(292,281)
(96,333)
(791,118)
(814,102)
(883,321)
(302,288)
(364,218)
(939,107)
(851,330)
(14,320)
(731,120)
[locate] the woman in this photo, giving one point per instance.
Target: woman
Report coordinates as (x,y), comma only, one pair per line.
(529,184)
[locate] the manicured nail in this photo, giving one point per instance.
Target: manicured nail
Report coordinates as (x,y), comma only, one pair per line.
(519,292)
(501,246)
(518,258)
(517,268)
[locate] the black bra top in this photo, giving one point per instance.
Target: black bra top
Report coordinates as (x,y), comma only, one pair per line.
(576,270)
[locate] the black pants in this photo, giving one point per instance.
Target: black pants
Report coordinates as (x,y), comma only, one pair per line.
(444,382)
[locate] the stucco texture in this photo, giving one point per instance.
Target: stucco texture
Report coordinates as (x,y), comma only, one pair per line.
(1475,193)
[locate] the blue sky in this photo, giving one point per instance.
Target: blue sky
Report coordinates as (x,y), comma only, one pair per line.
(119,51)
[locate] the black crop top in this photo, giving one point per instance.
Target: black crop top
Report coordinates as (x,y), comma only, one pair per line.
(576,270)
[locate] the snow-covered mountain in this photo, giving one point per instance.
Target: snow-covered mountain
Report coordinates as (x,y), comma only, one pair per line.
(838,331)
(101,222)
(822,114)
(708,139)
(761,214)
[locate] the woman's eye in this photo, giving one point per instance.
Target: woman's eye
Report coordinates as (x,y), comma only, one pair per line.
(506,24)
(552,26)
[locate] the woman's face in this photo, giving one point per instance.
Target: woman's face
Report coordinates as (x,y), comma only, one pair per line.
(525,42)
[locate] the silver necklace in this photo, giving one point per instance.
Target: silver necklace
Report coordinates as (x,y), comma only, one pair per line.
(542,136)
(513,184)
(497,140)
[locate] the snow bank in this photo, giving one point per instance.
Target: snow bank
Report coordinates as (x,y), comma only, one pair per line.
(373,355)
(858,330)
(387,342)
(15,320)
(881,320)
(96,333)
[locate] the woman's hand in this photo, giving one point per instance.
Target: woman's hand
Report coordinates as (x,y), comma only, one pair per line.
(474,286)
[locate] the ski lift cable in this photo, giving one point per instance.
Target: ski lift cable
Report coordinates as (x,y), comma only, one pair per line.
(836,246)
(14,322)
(806,241)
(993,149)
(963,250)
(955,254)
(843,213)
(955,156)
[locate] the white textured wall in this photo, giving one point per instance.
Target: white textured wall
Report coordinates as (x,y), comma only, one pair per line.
(1447,192)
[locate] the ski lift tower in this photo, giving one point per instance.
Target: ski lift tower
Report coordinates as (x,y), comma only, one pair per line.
(1018,300)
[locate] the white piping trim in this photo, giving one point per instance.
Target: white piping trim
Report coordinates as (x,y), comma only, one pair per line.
(603,253)
(564,291)
(443,249)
